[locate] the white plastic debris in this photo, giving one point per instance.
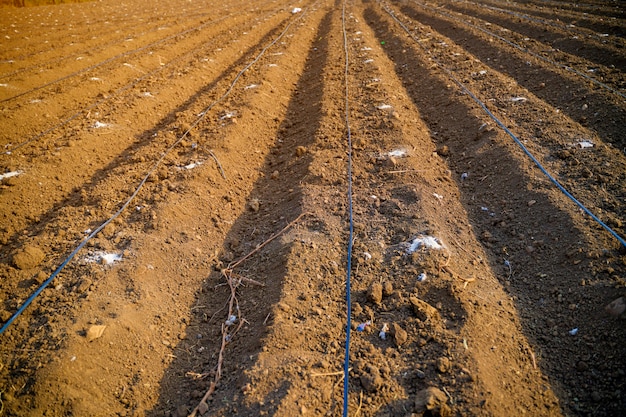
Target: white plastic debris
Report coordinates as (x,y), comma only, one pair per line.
(384,107)
(428,242)
(483,72)
(464,176)
(397,153)
(296,10)
(438,196)
(574,331)
(368,61)
(228,115)
(484,208)
(193,165)
(421,277)
(104,258)
(584,144)
(99,125)
(9,175)
(383,331)
(251,86)
(519,99)
(367,256)
(231,320)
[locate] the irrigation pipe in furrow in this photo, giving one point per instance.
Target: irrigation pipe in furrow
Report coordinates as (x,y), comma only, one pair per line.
(71,256)
(521,48)
(554,181)
(346,363)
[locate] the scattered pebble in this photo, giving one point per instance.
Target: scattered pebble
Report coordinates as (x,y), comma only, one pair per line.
(95,332)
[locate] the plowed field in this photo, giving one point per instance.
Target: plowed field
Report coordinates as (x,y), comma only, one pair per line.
(185,186)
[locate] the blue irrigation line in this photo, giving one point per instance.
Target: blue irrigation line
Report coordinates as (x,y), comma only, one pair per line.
(621,240)
(346,362)
(141,184)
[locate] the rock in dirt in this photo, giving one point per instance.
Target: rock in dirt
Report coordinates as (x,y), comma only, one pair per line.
(95,332)
(400,335)
(433,402)
(423,310)
(616,307)
(443,365)
(375,293)
(28,258)
(254,205)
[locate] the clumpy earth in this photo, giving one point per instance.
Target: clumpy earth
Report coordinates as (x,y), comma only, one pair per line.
(190,162)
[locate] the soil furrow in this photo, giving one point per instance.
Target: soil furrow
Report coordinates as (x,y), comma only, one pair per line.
(549,84)
(591,50)
(494,293)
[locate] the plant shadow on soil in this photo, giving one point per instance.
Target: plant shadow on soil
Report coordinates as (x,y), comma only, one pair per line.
(281,203)
(545,273)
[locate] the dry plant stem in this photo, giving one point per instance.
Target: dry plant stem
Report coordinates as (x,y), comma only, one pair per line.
(258,248)
(229,274)
(218,164)
(218,372)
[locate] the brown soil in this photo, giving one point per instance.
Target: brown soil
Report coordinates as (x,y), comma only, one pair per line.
(244,210)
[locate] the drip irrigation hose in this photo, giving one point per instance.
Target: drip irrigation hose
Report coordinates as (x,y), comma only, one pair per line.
(346,364)
(554,181)
(30,299)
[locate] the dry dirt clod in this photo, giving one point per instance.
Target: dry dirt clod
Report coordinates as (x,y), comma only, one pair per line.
(371,380)
(375,293)
(432,400)
(300,150)
(423,310)
(387,288)
(400,335)
(28,258)
(616,307)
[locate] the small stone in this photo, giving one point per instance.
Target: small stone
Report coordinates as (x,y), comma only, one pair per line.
(95,332)
(432,400)
(532,203)
(275,175)
(375,293)
(616,307)
(443,365)
(254,205)
(28,258)
(400,335)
